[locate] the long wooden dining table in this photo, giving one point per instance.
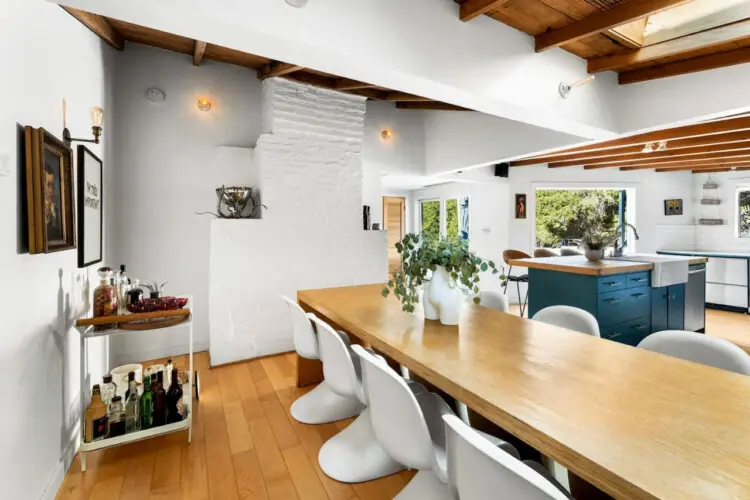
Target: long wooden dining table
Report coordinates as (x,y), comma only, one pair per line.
(636,424)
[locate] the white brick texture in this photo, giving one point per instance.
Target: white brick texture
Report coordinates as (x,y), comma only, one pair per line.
(310,164)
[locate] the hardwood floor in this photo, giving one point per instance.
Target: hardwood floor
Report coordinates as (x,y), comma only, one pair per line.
(245,446)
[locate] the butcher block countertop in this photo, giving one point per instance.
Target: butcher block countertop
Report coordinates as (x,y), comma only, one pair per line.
(578,264)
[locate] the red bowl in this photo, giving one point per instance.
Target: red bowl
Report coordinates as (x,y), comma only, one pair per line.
(161,304)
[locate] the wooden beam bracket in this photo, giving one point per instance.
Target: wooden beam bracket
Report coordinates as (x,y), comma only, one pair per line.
(99,26)
(198,49)
(474,8)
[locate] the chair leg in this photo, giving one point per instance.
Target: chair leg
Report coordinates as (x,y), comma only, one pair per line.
(322,405)
(525,300)
(522,302)
(507,280)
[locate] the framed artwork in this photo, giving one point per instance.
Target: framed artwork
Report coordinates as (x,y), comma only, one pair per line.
(49,192)
(520,206)
(90,207)
(672,207)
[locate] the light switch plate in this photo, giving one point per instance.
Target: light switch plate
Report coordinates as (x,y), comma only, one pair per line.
(4,165)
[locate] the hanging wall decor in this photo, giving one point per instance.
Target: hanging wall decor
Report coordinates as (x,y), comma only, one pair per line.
(520,206)
(90,207)
(49,192)
(673,207)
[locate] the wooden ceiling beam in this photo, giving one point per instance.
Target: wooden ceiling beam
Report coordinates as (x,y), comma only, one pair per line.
(378,95)
(99,26)
(673,154)
(672,163)
(698,129)
(474,8)
(713,170)
(277,68)
(694,65)
(198,49)
(678,144)
(347,84)
(602,21)
(434,106)
(678,46)
(402,97)
(738,166)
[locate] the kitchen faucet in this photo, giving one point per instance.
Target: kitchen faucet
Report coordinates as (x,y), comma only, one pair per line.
(620,230)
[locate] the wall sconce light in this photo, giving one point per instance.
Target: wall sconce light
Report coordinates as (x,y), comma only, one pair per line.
(97,118)
(204,104)
(386,134)
(565,88)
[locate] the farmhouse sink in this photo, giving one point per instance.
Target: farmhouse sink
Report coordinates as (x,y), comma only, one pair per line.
(668,269)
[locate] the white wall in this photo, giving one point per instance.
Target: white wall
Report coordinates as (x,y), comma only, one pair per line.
(45,56)
(419,46)
(721,238)
(311,236)
(461,139)
(170,157)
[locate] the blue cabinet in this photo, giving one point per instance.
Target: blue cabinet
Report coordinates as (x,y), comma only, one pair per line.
(668,308)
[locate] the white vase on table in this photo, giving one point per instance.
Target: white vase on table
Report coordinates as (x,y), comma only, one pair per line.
(442,298)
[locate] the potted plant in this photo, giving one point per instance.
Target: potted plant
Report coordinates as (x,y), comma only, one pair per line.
(447,270)
(597,232)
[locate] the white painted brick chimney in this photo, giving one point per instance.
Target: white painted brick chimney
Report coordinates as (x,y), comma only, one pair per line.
(310,164)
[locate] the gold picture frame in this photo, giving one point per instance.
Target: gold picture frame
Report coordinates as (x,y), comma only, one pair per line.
(49,192)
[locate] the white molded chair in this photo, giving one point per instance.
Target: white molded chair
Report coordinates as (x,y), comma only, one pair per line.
(321,405)
(353,455)
(479,470)
(493,300)
(571,318)
(409,426)
(699,348)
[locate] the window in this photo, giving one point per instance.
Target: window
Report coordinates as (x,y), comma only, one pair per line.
(451,219)
(430,217)
(743,212)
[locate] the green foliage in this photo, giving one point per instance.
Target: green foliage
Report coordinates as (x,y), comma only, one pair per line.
(422,253)
(431,218)
(744,215)
(575,214)
(451,220)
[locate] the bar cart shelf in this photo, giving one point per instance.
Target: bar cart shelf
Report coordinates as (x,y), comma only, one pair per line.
(86,329)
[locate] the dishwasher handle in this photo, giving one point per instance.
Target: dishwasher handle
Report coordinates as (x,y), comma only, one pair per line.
(697,271)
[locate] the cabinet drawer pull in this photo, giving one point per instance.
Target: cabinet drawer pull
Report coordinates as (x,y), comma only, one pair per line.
(614,334)
(639,327)
(612,300)
(638,295)
(611,283)
(640,280)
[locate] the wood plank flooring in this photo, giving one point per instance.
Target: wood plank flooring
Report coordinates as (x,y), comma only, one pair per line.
(245,446)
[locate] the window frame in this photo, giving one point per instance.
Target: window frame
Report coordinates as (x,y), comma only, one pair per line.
(742,188)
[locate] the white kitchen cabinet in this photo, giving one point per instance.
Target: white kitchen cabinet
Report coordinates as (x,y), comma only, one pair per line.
(727,271)
(726,295)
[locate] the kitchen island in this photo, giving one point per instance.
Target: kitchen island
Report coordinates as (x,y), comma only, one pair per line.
(626,299)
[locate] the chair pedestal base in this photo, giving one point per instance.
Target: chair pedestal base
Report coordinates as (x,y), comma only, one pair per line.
(322,405)
(425,484)
(354,454)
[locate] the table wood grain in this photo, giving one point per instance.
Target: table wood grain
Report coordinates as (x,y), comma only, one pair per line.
(636,424)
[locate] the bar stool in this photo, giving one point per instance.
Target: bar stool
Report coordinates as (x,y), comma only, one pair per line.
(509,255)
(544,252)
(699,348)
(321,405)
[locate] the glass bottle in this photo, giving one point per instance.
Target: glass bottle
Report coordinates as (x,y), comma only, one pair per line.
(131,379)
(105,298)
(147,405)
(132,413)
(116,418)
(168,373)
(108,390)
(160,401)
(174,397)
(123,287)
(96,417)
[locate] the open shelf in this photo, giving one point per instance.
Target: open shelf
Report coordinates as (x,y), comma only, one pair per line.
(137,436)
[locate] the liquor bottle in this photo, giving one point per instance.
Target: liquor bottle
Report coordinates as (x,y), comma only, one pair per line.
(108,390)
(96,417)
(123,287)
(116,417)
(131,378)
(132,413)
(147,405)
(168,373)
(174,397)
(160,401)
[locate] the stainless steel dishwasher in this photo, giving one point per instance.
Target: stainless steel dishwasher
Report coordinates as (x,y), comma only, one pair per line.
(695,299)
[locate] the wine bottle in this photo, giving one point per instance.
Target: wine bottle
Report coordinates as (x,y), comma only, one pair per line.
(147,405)
(174,396)
(160,401)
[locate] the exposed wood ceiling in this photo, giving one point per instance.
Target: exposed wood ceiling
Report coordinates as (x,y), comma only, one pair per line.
(612,34)
(118,33)
(713,145)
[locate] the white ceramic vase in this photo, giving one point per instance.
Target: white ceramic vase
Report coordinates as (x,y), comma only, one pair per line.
(594,255)
(442,298)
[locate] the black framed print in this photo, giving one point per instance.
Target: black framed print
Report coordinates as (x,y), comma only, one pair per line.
(90,207)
